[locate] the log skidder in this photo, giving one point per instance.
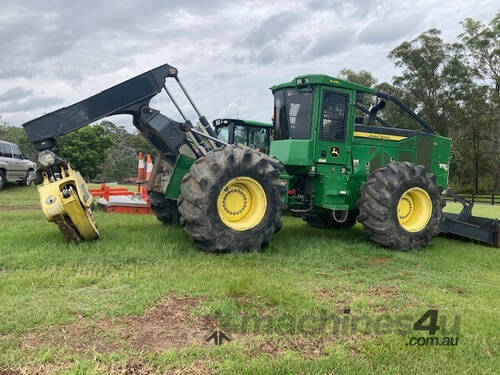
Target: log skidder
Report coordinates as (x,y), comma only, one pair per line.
(231,200)
(401,206)
(338,157)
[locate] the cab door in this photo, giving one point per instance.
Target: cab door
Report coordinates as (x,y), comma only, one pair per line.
(334,133)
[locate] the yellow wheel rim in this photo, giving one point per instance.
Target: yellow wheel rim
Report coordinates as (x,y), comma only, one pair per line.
(414,209)
(242,203)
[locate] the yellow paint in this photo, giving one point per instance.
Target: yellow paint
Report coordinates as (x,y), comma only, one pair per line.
(242,203)
(75,207)
(414,209)
(386,137)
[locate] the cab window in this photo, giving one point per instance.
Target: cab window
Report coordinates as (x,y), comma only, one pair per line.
(223,134)
(292,113)
(253,137)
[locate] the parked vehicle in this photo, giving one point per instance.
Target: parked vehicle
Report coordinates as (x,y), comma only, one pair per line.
(14,166)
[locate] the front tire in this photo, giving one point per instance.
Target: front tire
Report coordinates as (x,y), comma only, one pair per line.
(2,179)
(401,206)
(231,200)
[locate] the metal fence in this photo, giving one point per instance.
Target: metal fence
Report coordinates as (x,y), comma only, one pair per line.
(479,198)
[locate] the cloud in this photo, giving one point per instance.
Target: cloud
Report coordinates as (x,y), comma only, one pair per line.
(29,104)
(15,93)
(332,42)
(57,52)
(393,28)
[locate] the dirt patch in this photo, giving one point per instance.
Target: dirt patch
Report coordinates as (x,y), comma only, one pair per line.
(4,371)
(46,369)
(388,292)
(326,294)
(306,347)
(340,300)
(134,366)
(200,367)
(379,261)
(18,208)
(167,325)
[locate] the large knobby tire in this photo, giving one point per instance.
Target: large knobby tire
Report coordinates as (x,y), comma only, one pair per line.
(327,219)
(165,209)
(401,206)
(231,200)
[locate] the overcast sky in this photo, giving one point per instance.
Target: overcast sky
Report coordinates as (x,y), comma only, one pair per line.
(54,53)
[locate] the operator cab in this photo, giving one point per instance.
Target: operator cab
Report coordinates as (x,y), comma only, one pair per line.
(256,135)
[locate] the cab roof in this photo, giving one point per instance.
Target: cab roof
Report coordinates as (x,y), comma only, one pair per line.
(322,79)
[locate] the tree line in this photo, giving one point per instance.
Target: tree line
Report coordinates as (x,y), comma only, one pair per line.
(454,86)
(102,152)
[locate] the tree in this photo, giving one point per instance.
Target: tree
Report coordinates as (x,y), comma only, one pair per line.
(18,136)
(361,78)
(483,47)
(482,44)
(86,149)
(120,163)
(433,73)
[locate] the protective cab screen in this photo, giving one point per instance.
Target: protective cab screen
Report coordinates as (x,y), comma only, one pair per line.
(333,124)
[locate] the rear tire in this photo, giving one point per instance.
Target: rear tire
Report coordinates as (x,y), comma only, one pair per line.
(231,200)
(165,209)
(401,206)
(326,219)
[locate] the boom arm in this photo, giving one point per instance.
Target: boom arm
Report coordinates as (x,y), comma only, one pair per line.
(130,97)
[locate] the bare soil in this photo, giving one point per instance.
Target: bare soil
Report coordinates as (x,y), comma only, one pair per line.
(169,324)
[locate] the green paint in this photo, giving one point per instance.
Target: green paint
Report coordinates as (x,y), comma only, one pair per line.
(182,166)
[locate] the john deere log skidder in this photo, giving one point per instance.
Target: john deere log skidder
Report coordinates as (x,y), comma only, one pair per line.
(325,165)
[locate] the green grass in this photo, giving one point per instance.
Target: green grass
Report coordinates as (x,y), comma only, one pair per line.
(46,282)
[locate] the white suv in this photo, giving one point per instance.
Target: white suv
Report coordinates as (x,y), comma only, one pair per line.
(14,166)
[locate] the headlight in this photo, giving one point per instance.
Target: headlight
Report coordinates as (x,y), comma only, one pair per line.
(46,158)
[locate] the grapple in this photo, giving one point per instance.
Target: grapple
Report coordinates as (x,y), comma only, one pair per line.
(67,202)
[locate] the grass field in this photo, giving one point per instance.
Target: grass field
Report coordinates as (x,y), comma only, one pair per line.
(142,299)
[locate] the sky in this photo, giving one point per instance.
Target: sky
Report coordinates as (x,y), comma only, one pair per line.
(228,53)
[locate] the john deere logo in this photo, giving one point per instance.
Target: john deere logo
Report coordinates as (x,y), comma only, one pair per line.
(335,151)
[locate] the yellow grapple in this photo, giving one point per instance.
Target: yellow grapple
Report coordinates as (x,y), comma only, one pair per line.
(67,202)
